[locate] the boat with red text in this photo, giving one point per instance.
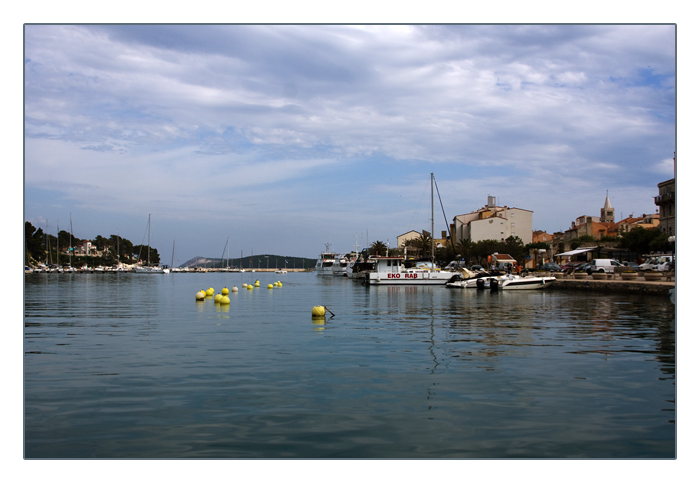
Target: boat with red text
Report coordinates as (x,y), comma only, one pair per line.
(393,271)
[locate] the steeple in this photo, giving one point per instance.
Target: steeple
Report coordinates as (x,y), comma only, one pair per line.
(607,213)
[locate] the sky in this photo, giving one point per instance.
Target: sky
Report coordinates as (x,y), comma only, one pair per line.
(279,139)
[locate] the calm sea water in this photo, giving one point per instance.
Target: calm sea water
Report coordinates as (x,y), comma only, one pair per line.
(131,366)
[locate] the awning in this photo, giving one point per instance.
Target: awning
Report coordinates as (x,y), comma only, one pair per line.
(578,251)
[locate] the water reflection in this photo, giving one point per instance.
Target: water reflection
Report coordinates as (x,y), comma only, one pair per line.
(134,366)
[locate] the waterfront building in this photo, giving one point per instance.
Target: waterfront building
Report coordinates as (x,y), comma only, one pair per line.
(402,239)
(494,223)
(666,201)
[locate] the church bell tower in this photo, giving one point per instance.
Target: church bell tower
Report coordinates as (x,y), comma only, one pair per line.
(607,213)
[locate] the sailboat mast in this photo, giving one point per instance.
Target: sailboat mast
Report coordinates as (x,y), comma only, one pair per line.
(149,240)
(432,223)
(70,248)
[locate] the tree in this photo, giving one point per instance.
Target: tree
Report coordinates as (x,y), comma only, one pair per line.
(423,244)
(34,240)
(465,248)
(642,240)
(378,248)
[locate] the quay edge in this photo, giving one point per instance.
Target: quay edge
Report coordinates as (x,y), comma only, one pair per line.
(617,286)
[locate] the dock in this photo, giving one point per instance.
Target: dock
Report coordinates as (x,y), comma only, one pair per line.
(616,284)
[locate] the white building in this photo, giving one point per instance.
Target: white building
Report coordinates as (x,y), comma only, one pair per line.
(494,223)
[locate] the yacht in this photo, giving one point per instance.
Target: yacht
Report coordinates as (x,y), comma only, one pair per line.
(324,264)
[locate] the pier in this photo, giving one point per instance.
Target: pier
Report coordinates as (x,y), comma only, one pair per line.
(617,284)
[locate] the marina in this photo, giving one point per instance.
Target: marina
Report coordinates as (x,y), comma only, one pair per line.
(131,366)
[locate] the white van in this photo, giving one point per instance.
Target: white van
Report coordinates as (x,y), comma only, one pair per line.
(658,264)
(606,265)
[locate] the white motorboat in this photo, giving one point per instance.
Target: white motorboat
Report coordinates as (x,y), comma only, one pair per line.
(340,265)
(324,264)
(478,280)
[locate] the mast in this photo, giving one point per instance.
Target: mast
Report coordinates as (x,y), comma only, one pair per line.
(70,248)
(432,223)
(172,259)
(48,251)
(58,249)
(149,240)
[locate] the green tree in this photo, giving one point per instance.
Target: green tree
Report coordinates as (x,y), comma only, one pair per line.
(465,249)
(378,248)
(35,241)
(641,240)
(423,244)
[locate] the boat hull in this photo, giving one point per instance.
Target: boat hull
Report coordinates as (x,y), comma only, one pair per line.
(409,278)
(527,283)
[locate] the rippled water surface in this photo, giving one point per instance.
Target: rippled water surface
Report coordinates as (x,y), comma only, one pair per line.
(131,366)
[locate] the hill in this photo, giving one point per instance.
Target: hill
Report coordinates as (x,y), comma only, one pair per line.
(252,262)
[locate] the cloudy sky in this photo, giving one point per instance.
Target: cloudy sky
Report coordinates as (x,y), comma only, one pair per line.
(282,138)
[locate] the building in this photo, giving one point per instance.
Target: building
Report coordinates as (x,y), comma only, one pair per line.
(494,223)
(596,227)
(666,201)
(542,236)
(627,224)
(402,239)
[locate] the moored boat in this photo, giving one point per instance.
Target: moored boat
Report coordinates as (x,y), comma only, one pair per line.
(516,282)
(392,271)
(324,264)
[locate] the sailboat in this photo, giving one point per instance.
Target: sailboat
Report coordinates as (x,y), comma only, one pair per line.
(393,271)
(148,268)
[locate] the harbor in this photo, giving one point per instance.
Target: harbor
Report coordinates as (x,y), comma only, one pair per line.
(134,366)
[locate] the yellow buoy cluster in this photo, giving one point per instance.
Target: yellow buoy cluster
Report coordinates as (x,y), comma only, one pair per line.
(223,298)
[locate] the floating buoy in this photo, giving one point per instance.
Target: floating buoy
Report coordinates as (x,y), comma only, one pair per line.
(210,291)
(234,289)
(200,295)
(269,285)
(224,300)
(318,311)
(224,291)
(217,299)
(257,283)
(250,287)
(245,285)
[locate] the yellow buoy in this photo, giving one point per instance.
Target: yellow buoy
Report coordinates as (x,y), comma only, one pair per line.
(224,300)
(269,285)
(217,299)
(257,283)
(200,295)
(279,284)
(224,291)
(250,287)
(318,311)
(210,291)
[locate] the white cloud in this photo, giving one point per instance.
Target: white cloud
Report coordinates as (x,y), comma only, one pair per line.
(195,116)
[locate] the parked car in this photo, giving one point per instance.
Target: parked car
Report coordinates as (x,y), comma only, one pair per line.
(571,266)
(658,264)
(551,267)
(606,265)
(582,267)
